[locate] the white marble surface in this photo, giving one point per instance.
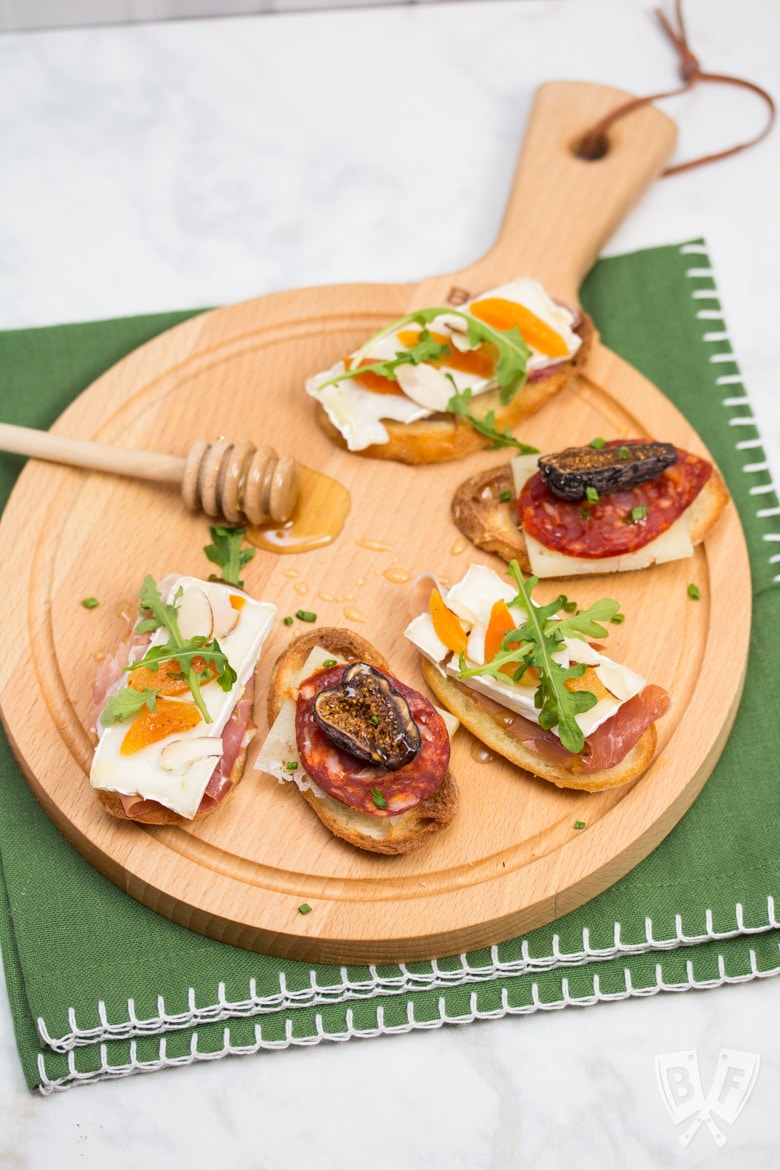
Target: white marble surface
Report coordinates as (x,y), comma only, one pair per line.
(164,166)
(16,15)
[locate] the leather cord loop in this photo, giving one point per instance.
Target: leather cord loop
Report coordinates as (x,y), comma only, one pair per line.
(592,145)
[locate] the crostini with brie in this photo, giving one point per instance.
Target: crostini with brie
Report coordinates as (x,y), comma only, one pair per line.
(529,681)
(441,383)
(602,508)
(369,754)
(174,705)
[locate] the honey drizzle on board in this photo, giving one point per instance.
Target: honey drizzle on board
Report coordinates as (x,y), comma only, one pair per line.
(319,516)
(397,576)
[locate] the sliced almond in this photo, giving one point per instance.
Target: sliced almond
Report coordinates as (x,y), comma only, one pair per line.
(224,614)
(196,618)
(425,385)
(462,343)
(182,754)
(452,322)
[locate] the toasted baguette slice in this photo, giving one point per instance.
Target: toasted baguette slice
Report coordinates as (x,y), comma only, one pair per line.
(159,814)
(456,698)
(390,835)
(491,523)
(286,672)
(444,436)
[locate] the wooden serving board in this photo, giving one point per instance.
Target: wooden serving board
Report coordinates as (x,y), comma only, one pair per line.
(513,859)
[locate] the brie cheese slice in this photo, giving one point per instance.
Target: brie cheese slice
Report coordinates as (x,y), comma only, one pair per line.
(178,777)
(357,412)
(475,596)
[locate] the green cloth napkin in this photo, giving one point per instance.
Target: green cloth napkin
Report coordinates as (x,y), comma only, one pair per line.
(698,912)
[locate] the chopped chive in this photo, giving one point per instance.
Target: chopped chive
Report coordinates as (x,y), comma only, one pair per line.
(90,602)
(374,720)
(585,513)
(694,592)
(617,618)
(599,442)
(591,495)
(288,621)
(636,515)
(291,766)
(305,908)
(329,662)
(305,615)
(505,496)
(624,452)
(378,798)
(579,824)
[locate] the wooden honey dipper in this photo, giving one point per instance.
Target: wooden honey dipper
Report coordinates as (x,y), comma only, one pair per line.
(236,481)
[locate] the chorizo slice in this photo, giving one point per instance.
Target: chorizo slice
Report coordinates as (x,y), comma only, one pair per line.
(355,782)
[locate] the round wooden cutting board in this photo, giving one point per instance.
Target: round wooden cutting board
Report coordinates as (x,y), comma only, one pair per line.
(513,858)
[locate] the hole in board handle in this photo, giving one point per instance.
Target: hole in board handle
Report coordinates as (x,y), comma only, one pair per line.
(590,149)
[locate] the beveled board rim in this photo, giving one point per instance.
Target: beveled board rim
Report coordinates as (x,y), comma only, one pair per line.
(440,921)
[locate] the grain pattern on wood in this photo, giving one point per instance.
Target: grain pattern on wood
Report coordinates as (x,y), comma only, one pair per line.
(513,859)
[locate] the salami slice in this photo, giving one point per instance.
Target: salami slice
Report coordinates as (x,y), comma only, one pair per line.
(363,786)
(615,523)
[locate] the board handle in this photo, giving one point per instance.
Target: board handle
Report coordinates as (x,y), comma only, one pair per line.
(237,481)
(563,208)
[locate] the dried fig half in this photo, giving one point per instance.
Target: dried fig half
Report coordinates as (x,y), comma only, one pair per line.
(368,717)
(611,468)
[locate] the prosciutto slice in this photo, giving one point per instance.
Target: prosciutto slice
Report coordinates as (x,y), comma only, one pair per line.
(604,748)
(110,676)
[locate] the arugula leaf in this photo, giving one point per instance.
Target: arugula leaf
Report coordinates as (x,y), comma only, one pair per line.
(189,652)
(459,404)
(426,349)
(161,614)
(198,656)
(421,317)
(513,355)
(586,622)
(534,642)
(126,703)
(226,552)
